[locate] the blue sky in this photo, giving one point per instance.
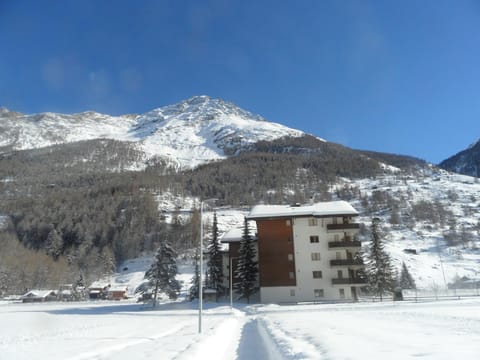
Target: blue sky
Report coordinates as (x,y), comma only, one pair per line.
(392,76)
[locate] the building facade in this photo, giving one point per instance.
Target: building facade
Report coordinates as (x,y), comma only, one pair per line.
(308,253)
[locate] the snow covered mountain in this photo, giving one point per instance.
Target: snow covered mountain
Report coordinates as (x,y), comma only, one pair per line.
(189,133)
(466,162)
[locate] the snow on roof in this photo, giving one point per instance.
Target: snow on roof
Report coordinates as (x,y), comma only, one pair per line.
(319,209)
(118,288)
(38,293)
(232,235)
(99,285)
(236,234)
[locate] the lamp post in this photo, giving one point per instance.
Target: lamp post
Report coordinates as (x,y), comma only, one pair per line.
(200,280)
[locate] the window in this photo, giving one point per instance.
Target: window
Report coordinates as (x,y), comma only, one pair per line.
(336,237)
(317,274)
(315,256)
(292,292)
(290,257)
(291,275)
(340,274)
(314,239)
(312,222)
(334,220)
(318,293)
(342,293)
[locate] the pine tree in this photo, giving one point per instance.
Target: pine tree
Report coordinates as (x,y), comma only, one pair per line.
(163,271)
(107,261)
(380,272)
(406,280)
(54,244)
(214,265)
(247,269)
(194,288)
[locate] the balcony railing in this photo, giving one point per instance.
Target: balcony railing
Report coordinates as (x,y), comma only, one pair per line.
(346,262)
(350,226)
(349,281)
(344,244)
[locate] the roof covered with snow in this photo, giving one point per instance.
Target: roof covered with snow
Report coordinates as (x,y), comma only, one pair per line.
(235,235)
(322,209)
(38,294)
(99,285)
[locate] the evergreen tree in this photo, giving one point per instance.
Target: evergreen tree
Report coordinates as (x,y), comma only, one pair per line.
(380,272)
(107,261)
(406,280)
(214,265)
(163,271)
(247,269)
(54,245)
(195,287)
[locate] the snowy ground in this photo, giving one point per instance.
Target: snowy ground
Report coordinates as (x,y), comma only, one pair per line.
(123,330)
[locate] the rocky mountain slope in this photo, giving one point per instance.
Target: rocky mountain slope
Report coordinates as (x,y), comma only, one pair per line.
(189,133)
(466,162)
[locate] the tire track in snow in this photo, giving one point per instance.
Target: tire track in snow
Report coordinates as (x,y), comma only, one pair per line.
(256,343)
(289,346)
(125,343)
(219,342)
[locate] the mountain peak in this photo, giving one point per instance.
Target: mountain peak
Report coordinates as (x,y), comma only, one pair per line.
(199,99)
(202,108)
(476,143)
(465,162)
(201,129)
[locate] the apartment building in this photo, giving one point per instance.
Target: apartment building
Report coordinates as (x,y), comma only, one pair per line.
(308,252)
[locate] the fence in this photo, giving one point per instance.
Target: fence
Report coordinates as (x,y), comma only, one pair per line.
(430,295)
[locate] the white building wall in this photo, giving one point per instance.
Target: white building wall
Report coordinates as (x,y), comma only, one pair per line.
(303,229)
(277,294)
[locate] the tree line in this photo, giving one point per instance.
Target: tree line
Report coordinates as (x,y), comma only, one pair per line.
(79,204)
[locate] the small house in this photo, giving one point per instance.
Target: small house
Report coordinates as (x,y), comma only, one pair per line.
(39,296)
(66,292)
(98,290)
(117,293)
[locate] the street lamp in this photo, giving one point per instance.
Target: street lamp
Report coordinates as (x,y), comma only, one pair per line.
(200,280)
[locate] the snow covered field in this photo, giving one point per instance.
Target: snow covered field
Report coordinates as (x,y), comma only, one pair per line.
(125,330)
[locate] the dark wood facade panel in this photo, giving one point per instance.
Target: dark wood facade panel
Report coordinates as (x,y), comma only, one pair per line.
(275,243)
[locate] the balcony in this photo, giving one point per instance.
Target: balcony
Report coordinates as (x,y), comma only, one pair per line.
(349,281)
(346,262)
(345,243)
(343,227)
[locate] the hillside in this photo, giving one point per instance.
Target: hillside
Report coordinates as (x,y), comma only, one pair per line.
(430,222)
(465,162)
(87,205)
